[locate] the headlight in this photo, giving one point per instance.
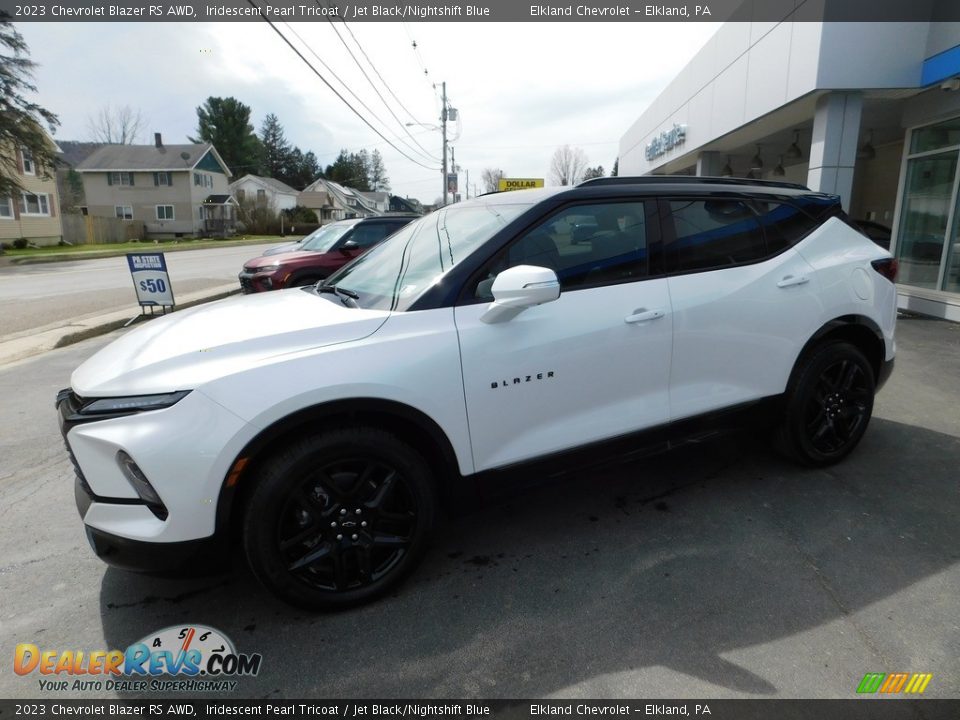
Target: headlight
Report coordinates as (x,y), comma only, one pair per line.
(133,403)
(266,268)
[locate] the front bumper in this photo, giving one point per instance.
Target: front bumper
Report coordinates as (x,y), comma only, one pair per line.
(257,282)
(185,451)
(180,558)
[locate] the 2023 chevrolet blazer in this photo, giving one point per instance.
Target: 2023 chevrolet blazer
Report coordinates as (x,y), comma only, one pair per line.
(321,428)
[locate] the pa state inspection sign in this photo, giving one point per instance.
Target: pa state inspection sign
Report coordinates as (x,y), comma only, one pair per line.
(150,279)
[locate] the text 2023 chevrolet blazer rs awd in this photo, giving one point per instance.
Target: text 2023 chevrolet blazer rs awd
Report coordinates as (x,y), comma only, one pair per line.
(321,427)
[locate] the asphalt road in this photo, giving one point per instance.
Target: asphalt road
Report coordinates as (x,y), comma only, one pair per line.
(34,296)
(715,571)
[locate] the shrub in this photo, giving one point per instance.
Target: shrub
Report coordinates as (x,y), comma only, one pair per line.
(20,243)
(299,215)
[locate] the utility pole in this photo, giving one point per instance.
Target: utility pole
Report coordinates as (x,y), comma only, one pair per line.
(468,183)
(443,128)
(455,171)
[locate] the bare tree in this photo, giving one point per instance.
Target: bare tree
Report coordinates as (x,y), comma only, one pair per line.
(490,178)
(116,126)
(567,165)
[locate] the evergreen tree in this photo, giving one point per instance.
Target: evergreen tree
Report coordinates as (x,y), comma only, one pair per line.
(379,182)
(309,170)
(276,156)
(21,121)
(591,173)
(225,123)
(351,169)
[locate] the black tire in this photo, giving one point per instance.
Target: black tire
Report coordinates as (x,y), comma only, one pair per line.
(339,518)
(829,402)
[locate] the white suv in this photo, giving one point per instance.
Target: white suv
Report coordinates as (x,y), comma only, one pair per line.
(321,428)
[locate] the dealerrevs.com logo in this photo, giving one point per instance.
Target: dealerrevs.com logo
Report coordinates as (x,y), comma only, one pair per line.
(893,683)
(193,658)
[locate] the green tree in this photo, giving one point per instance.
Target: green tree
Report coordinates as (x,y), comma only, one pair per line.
(276,155)
(21,121)
(377,177)
(310,169)
(591,173)
(351,169)
(225,123)
(616,168)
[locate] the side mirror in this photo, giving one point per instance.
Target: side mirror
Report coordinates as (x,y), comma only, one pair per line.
(349,245)
(518,288)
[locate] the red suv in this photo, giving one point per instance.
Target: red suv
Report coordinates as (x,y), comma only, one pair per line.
(328,249)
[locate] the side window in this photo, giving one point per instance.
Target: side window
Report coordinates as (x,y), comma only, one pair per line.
(586,245)
(713,233)
(368,234)
(783,224)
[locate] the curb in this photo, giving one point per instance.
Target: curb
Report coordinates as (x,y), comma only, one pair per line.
(8,260)
(13,349)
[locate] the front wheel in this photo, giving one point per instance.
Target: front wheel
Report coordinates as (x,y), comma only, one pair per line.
(338,518)
(829,403)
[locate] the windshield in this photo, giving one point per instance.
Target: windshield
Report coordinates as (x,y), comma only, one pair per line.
(325,238)
(394,274)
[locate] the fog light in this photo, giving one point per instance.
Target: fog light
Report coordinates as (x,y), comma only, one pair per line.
(134,475)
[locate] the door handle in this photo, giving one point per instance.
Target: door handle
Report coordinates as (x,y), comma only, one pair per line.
(791,280)
(642,315)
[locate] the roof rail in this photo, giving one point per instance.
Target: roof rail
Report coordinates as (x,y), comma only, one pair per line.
(688,180)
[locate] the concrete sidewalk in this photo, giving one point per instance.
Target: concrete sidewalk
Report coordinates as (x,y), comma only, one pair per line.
(21,345)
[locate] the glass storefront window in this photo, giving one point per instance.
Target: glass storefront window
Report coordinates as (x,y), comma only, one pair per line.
(951,278)
(927,200)
(934,137)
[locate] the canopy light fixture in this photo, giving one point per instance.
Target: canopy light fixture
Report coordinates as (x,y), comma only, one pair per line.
(778,171)
(756,162)
(867,151)
(727,170)
(794,152)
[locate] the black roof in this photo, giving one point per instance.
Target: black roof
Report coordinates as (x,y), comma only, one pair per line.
(690,180)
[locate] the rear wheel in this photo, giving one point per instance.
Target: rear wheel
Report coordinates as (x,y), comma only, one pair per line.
(828,406)
(338,519)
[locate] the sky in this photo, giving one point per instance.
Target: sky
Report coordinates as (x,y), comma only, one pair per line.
(521,89)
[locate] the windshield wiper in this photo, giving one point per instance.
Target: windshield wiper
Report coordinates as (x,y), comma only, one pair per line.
(347,297)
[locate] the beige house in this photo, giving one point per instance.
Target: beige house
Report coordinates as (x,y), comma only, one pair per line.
(173,190)
(33,214)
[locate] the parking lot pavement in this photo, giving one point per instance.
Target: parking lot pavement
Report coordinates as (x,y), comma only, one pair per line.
(716,571)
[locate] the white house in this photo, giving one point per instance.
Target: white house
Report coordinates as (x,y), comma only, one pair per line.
(264,191)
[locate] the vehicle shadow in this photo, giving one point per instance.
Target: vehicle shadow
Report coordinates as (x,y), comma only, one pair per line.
(669,561)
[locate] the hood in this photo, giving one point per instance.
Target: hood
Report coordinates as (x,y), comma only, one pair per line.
(285,248)
(187,348)
(283,258)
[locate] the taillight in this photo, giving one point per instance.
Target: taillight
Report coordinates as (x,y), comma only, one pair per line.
(887,267)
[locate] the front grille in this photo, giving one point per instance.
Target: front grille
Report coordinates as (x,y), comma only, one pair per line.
(68,404)
(246,285)
(76,468)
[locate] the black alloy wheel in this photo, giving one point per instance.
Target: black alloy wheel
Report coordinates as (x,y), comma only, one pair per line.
(839,406)
(828,406)
(338,518)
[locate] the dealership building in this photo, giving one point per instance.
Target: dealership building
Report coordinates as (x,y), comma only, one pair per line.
(869,111)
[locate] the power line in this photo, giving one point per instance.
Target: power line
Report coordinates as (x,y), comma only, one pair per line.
(416,52)
(372,84)
(334,90)
(345,85)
